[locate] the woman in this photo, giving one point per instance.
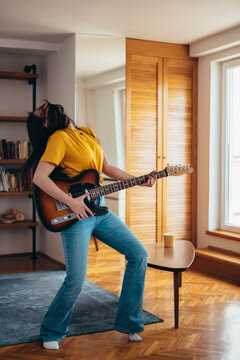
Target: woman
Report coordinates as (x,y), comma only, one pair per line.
(58,144)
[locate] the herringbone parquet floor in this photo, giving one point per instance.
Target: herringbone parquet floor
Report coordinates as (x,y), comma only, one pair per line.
(209,319)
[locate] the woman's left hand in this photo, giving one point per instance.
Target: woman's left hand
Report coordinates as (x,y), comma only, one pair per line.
(152,179)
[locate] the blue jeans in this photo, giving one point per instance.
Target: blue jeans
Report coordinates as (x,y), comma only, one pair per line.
(113,232)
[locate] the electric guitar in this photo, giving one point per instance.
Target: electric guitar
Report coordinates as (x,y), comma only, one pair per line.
(56,216)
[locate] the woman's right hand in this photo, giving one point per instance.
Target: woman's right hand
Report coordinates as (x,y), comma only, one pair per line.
(79,208)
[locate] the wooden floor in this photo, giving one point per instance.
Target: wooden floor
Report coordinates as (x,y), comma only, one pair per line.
(209,317)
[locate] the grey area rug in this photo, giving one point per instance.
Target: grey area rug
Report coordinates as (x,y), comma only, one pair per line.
(25,298)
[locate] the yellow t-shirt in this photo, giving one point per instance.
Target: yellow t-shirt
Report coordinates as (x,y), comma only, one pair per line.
(74,150)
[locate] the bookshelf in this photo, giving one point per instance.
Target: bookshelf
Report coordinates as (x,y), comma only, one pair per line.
(20,76)
(16,193)
(20,224)
(31,76)
(12,161)
(13,118)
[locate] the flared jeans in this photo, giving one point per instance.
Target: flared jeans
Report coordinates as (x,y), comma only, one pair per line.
(112,231)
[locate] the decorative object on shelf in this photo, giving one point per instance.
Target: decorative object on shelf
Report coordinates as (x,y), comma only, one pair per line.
(11,215)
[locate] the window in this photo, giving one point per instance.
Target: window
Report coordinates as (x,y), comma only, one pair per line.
(230,202)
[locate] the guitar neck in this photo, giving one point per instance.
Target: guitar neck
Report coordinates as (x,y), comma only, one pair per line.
(125,184)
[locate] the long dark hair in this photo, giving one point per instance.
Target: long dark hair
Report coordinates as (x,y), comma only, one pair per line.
(41,124)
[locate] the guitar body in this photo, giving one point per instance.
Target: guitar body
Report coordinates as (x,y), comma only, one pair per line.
(57,217)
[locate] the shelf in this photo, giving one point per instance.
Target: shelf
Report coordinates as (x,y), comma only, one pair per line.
(15,193)
(13,118)
(12,161)
(18,224)
(17,75)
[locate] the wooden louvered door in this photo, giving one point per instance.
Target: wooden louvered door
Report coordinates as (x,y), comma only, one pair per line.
(178,141)
(160,128)
(141,157)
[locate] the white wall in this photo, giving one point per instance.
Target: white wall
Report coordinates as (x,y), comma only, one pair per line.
(209,130)
(60,88)
(105,125)
(16,99)
(81,103)
(60,76)
(96,108)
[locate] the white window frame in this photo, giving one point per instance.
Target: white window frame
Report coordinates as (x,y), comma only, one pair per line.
(224,158)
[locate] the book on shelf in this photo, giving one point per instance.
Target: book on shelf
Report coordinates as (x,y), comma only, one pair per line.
(20,149)
(11,180)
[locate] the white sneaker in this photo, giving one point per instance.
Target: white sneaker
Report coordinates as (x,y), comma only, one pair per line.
(51,345)
(134,337)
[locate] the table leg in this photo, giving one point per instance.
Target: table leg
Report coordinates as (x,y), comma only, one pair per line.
(180,278)
(96,243)
(176,297)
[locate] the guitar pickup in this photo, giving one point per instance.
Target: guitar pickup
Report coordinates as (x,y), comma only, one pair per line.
(60,206)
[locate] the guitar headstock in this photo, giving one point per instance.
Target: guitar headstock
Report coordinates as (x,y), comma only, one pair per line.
(178,169)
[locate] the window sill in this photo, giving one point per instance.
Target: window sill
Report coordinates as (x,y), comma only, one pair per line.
(224,234)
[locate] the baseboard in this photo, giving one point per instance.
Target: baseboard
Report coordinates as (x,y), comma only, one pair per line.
(216,261)
(51,259)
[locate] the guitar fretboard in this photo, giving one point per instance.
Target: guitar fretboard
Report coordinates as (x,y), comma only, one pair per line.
(121,185)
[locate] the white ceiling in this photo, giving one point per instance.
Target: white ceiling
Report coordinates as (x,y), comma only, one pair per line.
(177,21)
(98,54)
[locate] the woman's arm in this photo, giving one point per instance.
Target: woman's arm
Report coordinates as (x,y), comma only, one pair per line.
(42,180)
(118,174)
